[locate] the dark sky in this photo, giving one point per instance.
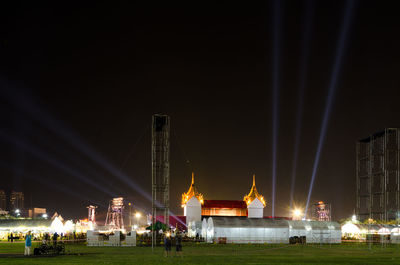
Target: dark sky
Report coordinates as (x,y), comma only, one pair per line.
(89,77)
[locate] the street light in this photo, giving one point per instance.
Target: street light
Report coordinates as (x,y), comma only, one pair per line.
(138,215)
(130,214)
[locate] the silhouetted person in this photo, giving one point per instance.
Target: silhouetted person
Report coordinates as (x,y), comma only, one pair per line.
(12,237)
(167,244)
(55,236)
(178,243)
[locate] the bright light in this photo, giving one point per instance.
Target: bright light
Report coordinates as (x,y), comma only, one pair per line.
(17,211)
(69,226)
(138,215)
(297,214)
(354,218)
(135,227)
(44,215)
(57,225)
(350,228)
(168,234)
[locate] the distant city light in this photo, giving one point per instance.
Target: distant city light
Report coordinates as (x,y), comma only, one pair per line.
(138,215)
(17,211)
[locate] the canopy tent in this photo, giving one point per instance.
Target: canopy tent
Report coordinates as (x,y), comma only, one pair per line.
(316,231)
(262,230)
(158,226)
(247,230)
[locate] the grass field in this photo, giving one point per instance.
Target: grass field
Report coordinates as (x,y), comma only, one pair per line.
(213,254)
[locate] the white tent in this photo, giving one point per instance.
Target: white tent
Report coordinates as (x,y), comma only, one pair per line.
(262,230)
(247,230)
(204,229)
(315,231)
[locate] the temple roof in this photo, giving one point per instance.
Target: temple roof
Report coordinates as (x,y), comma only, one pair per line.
(192,192)
(225,204)
(249,198)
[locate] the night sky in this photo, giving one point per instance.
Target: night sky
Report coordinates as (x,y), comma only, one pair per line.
(79,84)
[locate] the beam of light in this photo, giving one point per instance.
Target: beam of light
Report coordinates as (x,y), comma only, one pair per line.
(302,84)
(341,45)
(51,184)
(67,155)
(19,99)
(52,161)
(275,95)
(15,95)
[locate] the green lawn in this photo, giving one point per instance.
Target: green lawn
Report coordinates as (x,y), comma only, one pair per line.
(214,254)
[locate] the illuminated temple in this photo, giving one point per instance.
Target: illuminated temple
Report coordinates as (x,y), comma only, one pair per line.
(195,207)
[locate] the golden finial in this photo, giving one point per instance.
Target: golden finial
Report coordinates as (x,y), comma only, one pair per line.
(253,194)
(192,192)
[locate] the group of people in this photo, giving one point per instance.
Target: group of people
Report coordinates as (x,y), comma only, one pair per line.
(46,238)
(168,243)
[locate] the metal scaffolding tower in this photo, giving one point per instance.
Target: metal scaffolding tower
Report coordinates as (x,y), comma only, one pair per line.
(377,176)
(160,169)
(114,219)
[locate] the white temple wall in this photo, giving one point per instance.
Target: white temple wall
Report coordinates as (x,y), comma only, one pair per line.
(255,209)
(192,210)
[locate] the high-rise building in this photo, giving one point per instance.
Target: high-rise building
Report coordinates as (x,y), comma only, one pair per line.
(16,200)
(3,200)
(377,177)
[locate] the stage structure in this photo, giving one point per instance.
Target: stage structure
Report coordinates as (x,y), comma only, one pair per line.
(378,176)
(92,214)
(114,218)
(321,211)
(160,168)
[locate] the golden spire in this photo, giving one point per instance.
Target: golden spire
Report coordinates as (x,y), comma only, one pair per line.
(192,192)
(249,198)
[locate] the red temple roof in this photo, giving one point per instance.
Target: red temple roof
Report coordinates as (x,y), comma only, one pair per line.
(224,204)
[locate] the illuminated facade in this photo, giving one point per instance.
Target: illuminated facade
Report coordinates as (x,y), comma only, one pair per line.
(224,208)
(195,206)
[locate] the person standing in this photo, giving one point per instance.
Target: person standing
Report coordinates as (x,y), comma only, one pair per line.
(167,244)
(55,236)
(28,244)
(178,243)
